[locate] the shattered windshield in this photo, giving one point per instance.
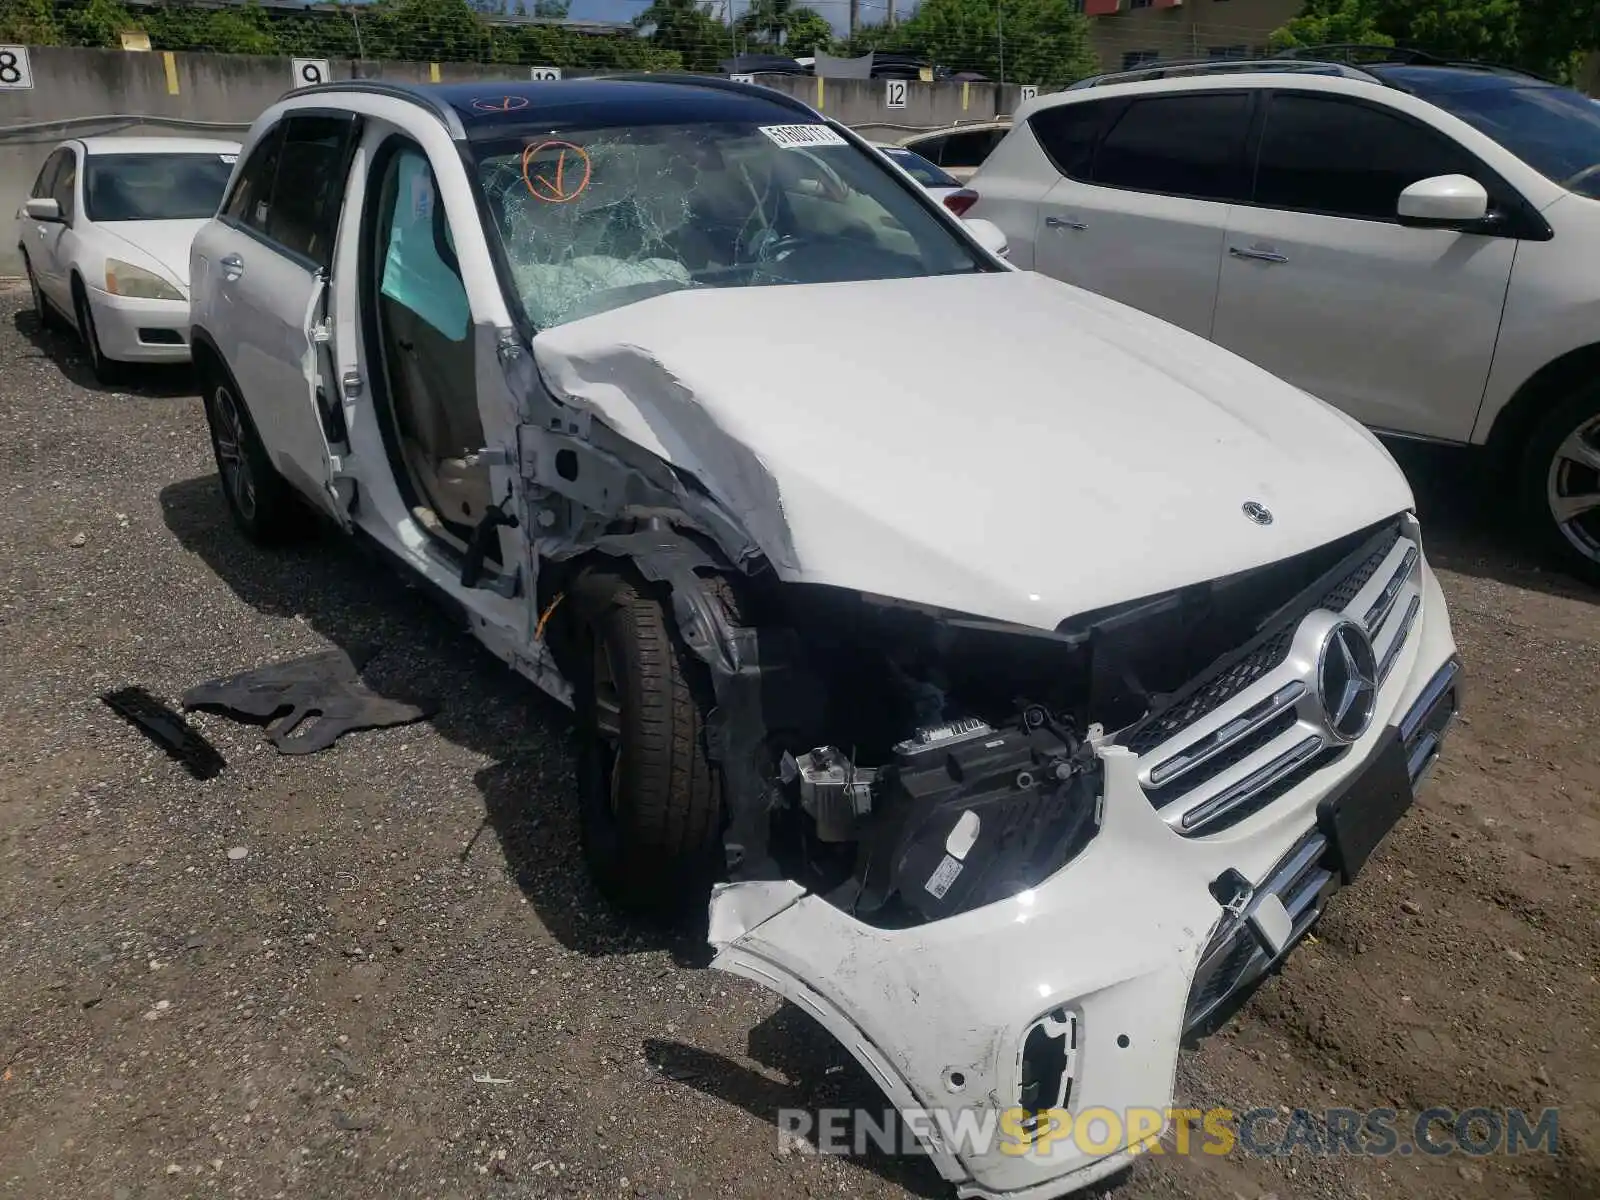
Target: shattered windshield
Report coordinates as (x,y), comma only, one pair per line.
(592,219)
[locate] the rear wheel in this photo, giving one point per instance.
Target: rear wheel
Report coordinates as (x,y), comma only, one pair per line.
(42,308)
(1561,481)
(262,504)
(650,798)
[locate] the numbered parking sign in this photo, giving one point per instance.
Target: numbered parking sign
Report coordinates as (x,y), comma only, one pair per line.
(894,93)
(742,78)
(1029,91)
(544,74)
(15,72)
(310,70)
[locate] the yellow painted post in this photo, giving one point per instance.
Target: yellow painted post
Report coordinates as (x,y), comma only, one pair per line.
(171,63)
(964,86)
(819,92)
(433,72)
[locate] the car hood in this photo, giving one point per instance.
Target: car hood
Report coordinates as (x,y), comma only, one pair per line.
(167,242)
(998,444)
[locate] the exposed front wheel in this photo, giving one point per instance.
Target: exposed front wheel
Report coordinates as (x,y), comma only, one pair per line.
(262,504)
(650,798)
(107,371)
(1561,481)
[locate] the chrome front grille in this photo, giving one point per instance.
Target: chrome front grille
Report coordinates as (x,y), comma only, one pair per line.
(1252,728)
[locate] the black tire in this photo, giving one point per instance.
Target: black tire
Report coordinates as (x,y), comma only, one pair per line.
(42,308)
(1561,462)
(263,505)
(107,371)
(650,798)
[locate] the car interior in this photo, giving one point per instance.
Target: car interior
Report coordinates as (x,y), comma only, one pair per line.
(424,326)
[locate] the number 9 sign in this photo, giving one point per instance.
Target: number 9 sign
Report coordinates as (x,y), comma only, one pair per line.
(308,71)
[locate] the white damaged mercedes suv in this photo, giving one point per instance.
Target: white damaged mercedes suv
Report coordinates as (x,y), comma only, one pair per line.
(1021,675)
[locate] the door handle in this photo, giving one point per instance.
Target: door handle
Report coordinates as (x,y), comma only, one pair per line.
(1258,255)
(1063,223)
(232,266)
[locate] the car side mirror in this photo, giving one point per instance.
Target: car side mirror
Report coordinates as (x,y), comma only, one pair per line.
(1443,201)
(43,208)
(988,235)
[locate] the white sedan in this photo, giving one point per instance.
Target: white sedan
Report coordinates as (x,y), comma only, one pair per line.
(105,236)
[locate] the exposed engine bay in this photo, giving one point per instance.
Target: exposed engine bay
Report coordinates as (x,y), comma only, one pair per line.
(918,764)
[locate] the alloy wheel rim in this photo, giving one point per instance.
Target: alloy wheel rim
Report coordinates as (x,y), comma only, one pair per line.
(1572,488)
(608,719)
(235,468)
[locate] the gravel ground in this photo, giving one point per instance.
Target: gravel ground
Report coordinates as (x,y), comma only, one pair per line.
(380,971)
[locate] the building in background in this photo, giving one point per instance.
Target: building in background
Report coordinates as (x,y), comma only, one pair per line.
(1126,33)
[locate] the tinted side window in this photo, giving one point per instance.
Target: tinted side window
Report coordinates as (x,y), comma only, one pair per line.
(47,175)
(1068,134)
(310,190)
(1347,158)
(969,149)
(1189,145)
(251,198)
(65,187)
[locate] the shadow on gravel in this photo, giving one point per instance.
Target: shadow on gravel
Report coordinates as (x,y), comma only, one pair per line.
(351,598)
(62,347)
(1470,524)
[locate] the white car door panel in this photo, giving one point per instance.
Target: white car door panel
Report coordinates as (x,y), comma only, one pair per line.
(1144,196)
(1156,253)
(1394,325)
(1320,283)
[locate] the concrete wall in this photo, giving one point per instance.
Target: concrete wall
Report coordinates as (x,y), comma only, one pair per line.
(78,92)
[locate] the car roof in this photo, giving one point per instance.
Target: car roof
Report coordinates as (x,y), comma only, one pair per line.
(486,108)
(1424,79)
(157,145)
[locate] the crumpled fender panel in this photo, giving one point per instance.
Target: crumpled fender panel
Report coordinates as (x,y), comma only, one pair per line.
(1114,939)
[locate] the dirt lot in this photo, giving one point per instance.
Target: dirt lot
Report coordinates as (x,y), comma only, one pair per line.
(307,1020)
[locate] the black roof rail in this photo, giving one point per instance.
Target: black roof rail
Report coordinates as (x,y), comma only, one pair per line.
(1177,68)
(1409,56)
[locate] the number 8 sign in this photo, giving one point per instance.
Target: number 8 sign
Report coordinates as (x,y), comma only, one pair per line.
(15,72)
(308,71)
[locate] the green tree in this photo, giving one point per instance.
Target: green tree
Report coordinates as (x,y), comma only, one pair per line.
(97,23)
(1041,41)
(1328,22)
(553,9)
(1546,36)
(688,29)
(425,30)
(806,32)
(29,23)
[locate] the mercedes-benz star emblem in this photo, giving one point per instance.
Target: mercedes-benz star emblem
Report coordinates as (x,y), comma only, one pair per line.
(1347,680)
(1257,512)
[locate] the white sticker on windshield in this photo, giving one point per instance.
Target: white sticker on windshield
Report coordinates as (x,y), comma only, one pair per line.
(799,137)
(229,159)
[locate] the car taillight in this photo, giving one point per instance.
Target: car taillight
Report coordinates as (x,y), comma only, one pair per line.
(959,201)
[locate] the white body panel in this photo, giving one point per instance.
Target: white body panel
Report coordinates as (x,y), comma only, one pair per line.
(875,468)
(1418,331)
(82,247)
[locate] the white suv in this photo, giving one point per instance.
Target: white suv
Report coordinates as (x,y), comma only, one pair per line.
(1413,243)
(1048,703)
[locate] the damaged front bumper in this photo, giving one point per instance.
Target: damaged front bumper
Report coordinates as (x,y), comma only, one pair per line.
(1077,994)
